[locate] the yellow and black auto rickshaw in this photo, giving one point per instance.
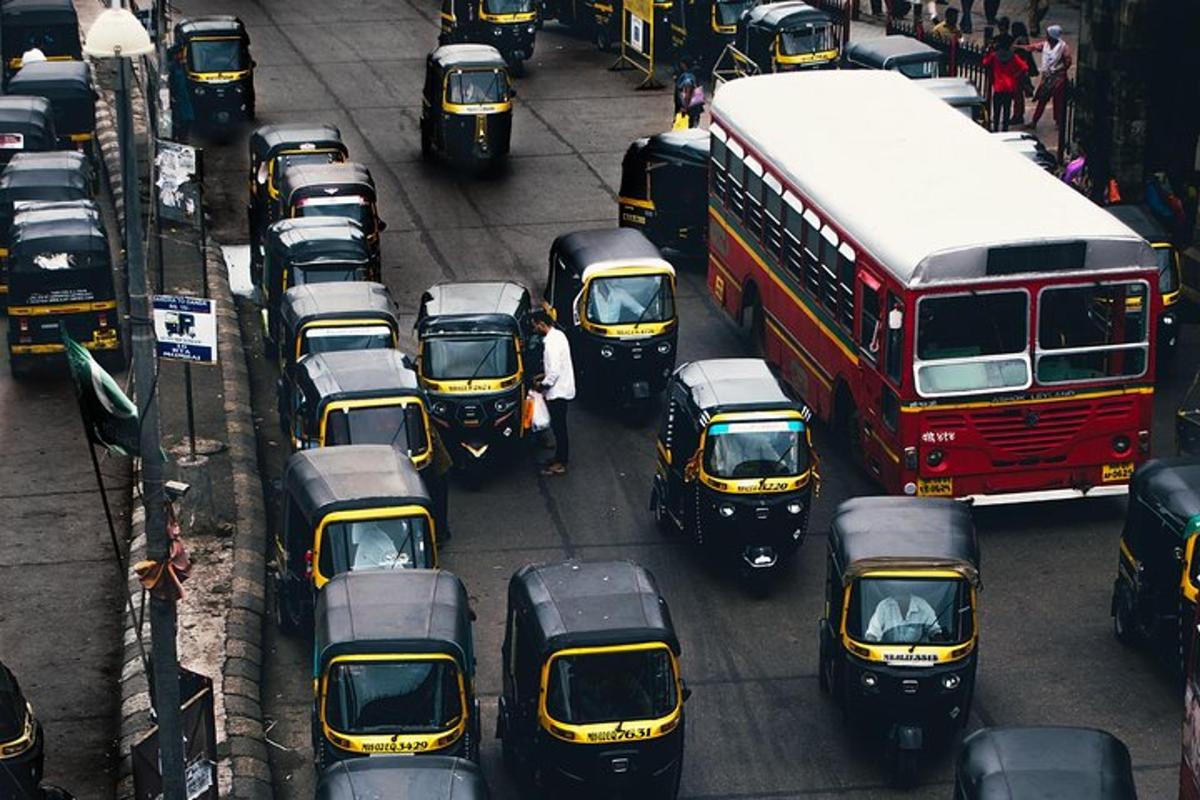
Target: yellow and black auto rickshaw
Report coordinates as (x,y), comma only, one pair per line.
(474,342)
(344,189)
(613,294)
(466,106)
(51,26)
(21,742)
(899,640)
(508,25)
(26,126)
(273,148)
(701,29)
(789,35)
(394,667)
(1170,283)
(403,778)
(592,700)
(328,317)
(736,467)
(664,191)
(349,508)
(212,75)
(68,87)
(1158,569)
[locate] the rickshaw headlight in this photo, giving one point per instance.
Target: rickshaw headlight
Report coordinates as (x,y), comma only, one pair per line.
(869,680)
(504,405)
(934,457)
(950,682)
(606,351)
(664,347)
(1120,444)
(795,507)
(439,409)
(725,510)
(531,29)
(496,32)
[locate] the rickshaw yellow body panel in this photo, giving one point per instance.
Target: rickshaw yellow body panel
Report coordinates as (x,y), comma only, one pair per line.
(362,515)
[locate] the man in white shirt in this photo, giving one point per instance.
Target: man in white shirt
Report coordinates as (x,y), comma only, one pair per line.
(558,387)
(889,615)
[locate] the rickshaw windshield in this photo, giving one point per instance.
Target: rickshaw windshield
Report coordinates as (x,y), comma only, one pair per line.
(1168,278)
(330,340)
(326,273)
(216,55)
(630,299)
(805,39)
(393,697)
(454,358)
(349,206)
(910,611)
(396,543)
(991,353)
(917,69)
(378,425)
(768,449)
(728,13)
(1091,332)
(470,87)
(508,6)
(611,687)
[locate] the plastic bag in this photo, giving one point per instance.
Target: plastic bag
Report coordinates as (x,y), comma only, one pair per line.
(537,412)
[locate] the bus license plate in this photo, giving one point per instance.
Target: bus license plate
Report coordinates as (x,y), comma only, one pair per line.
(1111,473)
(935,487)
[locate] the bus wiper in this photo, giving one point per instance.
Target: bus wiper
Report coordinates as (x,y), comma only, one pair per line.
(482,361)
(650,303)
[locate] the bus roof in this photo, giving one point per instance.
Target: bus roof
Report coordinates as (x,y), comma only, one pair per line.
(857,143)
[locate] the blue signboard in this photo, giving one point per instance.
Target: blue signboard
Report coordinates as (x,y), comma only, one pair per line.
(186,328)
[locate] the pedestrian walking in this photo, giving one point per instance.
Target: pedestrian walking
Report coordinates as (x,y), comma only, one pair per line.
(966,16)
(948,28)
(1020,39)
(557,384)
(1056,60)
(1008,74)
(685,79)
(1035,12)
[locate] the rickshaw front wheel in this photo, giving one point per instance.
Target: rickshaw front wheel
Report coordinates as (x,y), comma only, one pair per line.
(1123,627)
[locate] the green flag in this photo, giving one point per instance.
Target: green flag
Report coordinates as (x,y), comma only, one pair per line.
(111,418)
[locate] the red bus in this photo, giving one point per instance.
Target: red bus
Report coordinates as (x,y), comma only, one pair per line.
(972,326)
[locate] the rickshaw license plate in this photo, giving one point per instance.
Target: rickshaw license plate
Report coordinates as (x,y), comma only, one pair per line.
(935,487)
(1116,472)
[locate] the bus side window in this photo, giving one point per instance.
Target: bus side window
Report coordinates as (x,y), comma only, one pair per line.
(829,280)
(869,324)
(812,246)
(754,197)
(890,405)
(845,271)
(893,355)
(718,176)
(774,216)
(793,238)
(737,200)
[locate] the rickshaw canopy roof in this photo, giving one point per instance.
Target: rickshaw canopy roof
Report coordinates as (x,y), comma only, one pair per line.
(955,91)
(733,384)
(326,180)
(326,479)
(593,604)
(886,49)
(38,12)
(354,374)
(306,240)
(1141,220)
(211,25)
(269,140)
(1171,485)
(1060,762)
(869,533)
(42,181)
(592,251)
(31,211)
(467,56)
(63,79)
(688,146)
(31,239)
(394,610)
(342,299)
(465,307)
(402,777)
(32,117)
(786,14)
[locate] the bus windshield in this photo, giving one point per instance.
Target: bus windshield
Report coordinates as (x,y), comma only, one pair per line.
(393,697)
(630,299)
(396,543)
(454,358)
(349,337)
(326,273)
(216,55)
(378,425)
(1092,332)
(729,12)
(468,87)
(768,449)
(909,611)
(611,687)
(805,39)
(987,354)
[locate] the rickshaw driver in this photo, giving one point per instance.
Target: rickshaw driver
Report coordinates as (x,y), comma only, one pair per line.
(612,300)
(375,548)
(888,617)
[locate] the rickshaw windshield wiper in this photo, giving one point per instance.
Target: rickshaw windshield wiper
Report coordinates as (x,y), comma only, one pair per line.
(482,361)
(927,627)
(779,461)
(650,303)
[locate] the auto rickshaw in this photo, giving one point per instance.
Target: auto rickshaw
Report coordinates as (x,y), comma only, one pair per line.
(614,295)
(1170,282)
(51,26)
(701,29)
(60,278)
(344,189)
(466,107)
(273,148)
(26,126)
(736,466)
(68,87)
(789,35)
(910,57)
(1154,594)
(899,640)
(345,509)
(21,741)
(963,95)
(305,251)
(212,74)
(327,317)
(509,25)
(664,191)
(592,698)
(474,341)
(401,778)
(394,667)
(1041,762)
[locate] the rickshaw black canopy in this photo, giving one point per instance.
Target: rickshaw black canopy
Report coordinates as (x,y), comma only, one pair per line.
(1141,220)
(76,236)
(688,146)
(311,240)
(467,56)
(32,117)
(352,375)
(875,531)
(340,299)
(52,163)
(267,141)
(351,476)
(582,249)
(59,177)
(211,25)
(775,17)
(399,777)
(881,52)
(1060,762)
(472,307)
(1171,485)
(411,610)
(68,87)
(733,384)
(19,17)
(592,604)
(34,211)
(326,180)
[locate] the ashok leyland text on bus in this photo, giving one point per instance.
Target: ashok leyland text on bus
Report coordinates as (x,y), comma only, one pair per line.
(982,335)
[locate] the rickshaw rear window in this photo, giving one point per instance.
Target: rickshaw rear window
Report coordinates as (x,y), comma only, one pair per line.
(910,611)
(630,299)
(767,449)
(379,425)
(728,13)
(805,39)
(382,697)
(468,87)
(508,6)
(54,40)
(454,358)
(348,206)
(216,55)
(395,543)
(611,687)
(329,340)
(326,273)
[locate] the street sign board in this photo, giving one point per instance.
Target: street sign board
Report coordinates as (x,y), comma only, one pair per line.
(186,328)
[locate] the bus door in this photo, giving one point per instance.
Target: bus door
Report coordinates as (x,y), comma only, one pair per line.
(868,336)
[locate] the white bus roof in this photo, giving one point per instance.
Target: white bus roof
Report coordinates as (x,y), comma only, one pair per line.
(914,182)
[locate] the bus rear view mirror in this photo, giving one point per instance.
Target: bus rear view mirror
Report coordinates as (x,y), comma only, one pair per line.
(895,319)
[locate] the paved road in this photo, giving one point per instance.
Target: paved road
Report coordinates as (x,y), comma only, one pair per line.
(758,727)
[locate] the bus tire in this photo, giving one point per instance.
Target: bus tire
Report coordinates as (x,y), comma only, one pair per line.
(847,423)
(753,323)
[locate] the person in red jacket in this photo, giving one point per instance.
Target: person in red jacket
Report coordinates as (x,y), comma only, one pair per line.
(1008,75)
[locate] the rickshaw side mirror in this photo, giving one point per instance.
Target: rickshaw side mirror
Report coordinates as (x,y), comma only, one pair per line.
(407,361)
(687,691)
(1179,554)
(471,614)
(382,226)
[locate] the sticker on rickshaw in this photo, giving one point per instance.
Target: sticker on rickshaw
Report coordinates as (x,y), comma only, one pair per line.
(1111,473)
(935,487)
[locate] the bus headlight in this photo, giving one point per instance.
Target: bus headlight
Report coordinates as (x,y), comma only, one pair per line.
(1120,444)
(606,351)
(725,510)
(950,682)
(795,507)
(664,348)
(934,457)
